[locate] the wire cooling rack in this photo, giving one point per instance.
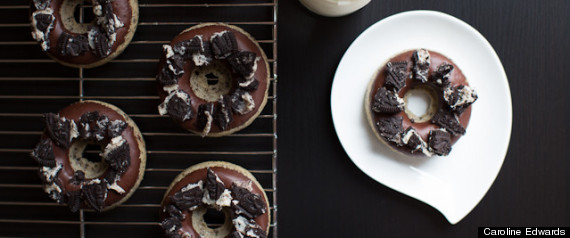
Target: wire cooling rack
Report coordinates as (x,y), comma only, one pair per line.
(32,84)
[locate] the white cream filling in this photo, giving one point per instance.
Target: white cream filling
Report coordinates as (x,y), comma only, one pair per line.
(199,184)
(168,51)
(247,83)
(39,35)
(170,88)
(208,125)
(53,190)
(116,187)
(200,59)
(98,10)
(250,104)
(241,224)
(50,173)
(118,23)
(245,184)
(250,233)
(74,133)
(91,37)
(225,199)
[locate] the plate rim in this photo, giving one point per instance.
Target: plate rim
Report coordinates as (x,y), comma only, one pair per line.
(430,13)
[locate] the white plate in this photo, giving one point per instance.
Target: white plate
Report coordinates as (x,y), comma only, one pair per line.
(453,184)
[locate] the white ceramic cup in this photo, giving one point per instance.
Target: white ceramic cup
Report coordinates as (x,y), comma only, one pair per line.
(334,8)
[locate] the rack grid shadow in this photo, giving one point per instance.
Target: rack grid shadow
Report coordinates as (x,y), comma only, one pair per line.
(32,84)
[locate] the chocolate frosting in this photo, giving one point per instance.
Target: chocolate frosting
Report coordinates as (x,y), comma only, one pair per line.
(122,8)
(244,43)
(66,175)
(228,177)
(456,78)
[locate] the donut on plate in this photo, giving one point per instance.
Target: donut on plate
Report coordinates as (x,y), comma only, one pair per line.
(413,72)
(223,186)
(83,44)
(70,177)
(214,79)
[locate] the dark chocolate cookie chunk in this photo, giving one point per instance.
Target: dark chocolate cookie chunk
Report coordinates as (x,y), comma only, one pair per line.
(242,102)
(390,128)
(448,121)
(223,114)
(442,73)
(101,43)
(248,204)
(93,126)
(116,128)
(171,225)
(41,4)
(111,176)
(214,186)
(95,195)
(244,62)
(188,200)
(387,101)
(59,129)
(166,76)
(224,44)
(72,45)
(73,199)
(179,107)
(78,177)
(439,142)
(421,59)
(459,98)
(119,159)
(43,21)
(412,140)
(43,153)
(176,64)
(205,112)
(396,75)
(173,211)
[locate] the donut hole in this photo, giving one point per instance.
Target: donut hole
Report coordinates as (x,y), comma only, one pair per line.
(86,156)
(214,218)
(77,15)
(210,222)
(83,12)
(420,104)
(211,81)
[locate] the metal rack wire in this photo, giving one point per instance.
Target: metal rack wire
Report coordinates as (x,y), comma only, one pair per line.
(31,84)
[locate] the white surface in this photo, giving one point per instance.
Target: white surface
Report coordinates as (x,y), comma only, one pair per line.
(455,184)
(334,8)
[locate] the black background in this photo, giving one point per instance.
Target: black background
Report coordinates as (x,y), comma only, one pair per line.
(323,194)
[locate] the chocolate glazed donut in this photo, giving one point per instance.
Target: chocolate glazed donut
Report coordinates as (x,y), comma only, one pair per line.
(83,44)
(214,79)
(448,113)
(69,177)
(218,185)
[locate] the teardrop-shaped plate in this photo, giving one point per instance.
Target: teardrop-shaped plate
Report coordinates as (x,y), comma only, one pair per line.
(454,184)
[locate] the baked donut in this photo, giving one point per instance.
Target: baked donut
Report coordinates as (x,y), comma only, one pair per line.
(218,185)
(214,79)
(448,113)
(69,177)
(84,45)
